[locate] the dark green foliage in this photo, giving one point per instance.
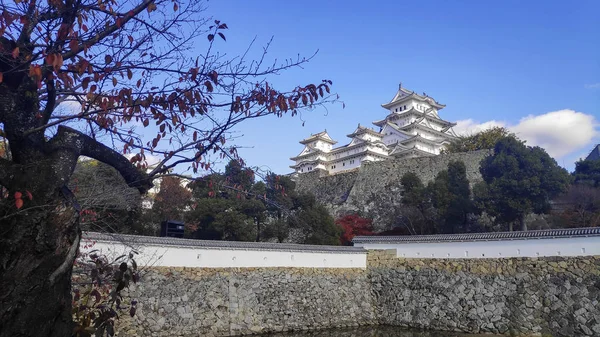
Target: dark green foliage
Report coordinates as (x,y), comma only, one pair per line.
(587,172)
(233,206)
(238,176)
(451,197)
(439,193)
(460,204)
(316,226)
(417,216)
(222,219)
(482,140)
(520,179)
(441,207)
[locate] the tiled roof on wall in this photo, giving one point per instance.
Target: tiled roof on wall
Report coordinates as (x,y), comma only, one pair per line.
(133,240)
(495,236)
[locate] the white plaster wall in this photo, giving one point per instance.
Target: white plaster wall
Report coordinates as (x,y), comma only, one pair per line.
(579,246)
(173,256)
(321,145)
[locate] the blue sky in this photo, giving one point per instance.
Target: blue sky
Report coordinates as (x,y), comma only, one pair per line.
(487,61)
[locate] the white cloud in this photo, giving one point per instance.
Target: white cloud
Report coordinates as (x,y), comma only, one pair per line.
(559,132)
(469,126)
(71,105)
(592,86)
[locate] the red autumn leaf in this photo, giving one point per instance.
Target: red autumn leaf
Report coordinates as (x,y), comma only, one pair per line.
(213,76)
(58,61)
(50,59)
(209,86)
(211,37)
(19,203)
(29,195)
(15,53)
(129,74)
(175,7)
(107,59)
(1,77)
(222,36)
(85,82)
(18,195)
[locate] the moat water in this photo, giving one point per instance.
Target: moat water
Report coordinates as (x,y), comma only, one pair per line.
(374,331)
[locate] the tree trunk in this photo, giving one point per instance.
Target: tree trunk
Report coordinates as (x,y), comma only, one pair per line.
(39,241)
(37,249)
(510,226)
(523,223)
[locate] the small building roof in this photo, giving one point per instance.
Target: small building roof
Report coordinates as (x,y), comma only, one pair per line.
(319,136)
(493,236)
(404,94)
(363,129)
(314,151)
(412,111)
(595,154)
(427,129)
(400,151)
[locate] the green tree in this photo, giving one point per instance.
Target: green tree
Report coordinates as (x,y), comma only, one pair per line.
(460,205)
(238,176)
(520,179)
(482,140)
(315,225)
(587,172)
(416,215)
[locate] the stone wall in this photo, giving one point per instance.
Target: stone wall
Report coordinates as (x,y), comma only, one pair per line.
(552,296)
(512,296)
(223,302)
(374,190)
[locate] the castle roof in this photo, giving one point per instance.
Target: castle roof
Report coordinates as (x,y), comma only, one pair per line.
(323,136)
(595,154)
(361,130)
(420,139)
(401,151)
(314,151)
(313,161)
(419,126)
(404,94)
(414,112)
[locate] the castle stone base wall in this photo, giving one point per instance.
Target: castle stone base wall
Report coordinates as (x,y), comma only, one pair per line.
(519,296)
(374,189)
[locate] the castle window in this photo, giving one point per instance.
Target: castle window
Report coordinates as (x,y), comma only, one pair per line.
(344,164)
(405,107)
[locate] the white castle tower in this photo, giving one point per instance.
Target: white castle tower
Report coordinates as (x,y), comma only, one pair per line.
(413,128)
